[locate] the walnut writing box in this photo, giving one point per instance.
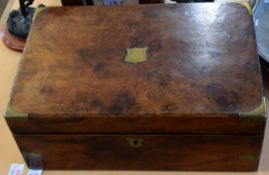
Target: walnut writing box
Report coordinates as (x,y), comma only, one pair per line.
(142,87)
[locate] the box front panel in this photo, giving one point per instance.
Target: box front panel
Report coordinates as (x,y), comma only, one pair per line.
(142,152)
(139,125)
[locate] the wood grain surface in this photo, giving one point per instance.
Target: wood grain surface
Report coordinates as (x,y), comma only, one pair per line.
(158,152)
(196,78)
(10,154)
(74,79)
(199,59)
(136,125)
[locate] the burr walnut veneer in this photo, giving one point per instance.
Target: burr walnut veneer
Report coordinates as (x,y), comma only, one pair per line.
(189,97)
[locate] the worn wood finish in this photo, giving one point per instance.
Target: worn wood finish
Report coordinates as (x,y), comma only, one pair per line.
(185,100)
(11,41)
(158,152)
(189,72)
(138,125)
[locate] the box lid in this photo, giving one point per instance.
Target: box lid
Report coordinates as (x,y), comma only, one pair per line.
(188,68)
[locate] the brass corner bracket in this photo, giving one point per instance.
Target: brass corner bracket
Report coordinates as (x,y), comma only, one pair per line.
(10,113)
(246,5)
(260,111)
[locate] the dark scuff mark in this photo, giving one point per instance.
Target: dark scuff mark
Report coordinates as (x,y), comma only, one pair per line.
(121,103)
(84,54)
(99,67)
(47,90)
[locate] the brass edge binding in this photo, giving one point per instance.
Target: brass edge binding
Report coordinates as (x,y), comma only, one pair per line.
(10,113)
(259,112)
(246,5)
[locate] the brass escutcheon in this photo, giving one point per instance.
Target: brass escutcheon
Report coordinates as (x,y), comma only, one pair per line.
(135,142)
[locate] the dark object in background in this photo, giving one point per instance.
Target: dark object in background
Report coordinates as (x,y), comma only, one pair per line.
(18,24)
(75,2)
(24,6)
(11,41)
(89,2)
(264,65)
(196,103)
(19,21)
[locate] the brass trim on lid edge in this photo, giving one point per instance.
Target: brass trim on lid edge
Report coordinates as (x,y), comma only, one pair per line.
(246,5)
(259,112)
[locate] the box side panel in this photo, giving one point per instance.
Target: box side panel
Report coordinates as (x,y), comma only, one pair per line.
(142,152)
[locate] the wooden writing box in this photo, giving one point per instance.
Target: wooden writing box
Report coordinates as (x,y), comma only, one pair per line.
(146,87)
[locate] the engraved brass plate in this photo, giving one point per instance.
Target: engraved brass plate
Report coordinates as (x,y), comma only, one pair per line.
(136,55)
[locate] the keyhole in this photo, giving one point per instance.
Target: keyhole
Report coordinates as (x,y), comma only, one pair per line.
(135,142)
